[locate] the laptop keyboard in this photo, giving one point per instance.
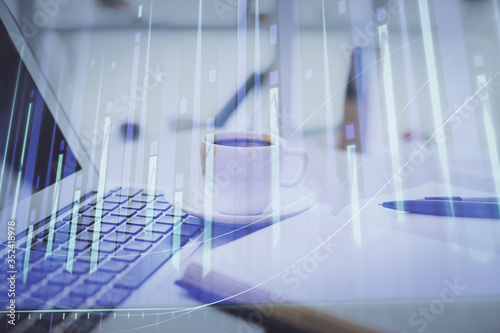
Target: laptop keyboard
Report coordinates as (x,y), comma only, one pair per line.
(92,264)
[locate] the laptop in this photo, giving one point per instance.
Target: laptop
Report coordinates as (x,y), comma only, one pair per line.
(72,240)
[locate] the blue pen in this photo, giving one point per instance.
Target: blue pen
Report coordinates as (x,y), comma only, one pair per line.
(470,207)
(486,199)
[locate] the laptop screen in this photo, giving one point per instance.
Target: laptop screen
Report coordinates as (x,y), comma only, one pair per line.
(33,152)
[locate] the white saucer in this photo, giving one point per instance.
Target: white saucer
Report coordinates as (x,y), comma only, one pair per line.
(293,201)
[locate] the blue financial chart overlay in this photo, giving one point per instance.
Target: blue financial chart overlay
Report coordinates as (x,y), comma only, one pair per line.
(31,144)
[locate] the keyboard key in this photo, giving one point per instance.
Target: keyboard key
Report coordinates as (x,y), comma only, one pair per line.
(166,245)
(62,223)
(194,220)
(148,237)
(113,220)
(116,238)
(188,229)
(84,208)
(62,235)
(127,256)
(47,266)
(96,200)
(105,228)
(114,266)
(113,297)
(35,245)
(167,219)
(159,228)
(78,228)
(138,246)
(43,223)
(68,217)
(22,288)
(94,212)
(85,289)
(72,301)
(33,276)
(34,239)
(148,265)
(80,267)
(79,246)
(133,205)
(128,229)
(47,290)
(60,255)
(88,257)
(161,199)
(127,192)
(157,206)
(149,213)
(175,212)
(108,206)
(83,221)
(59,237)
(144,198)
(108,247)
(29,303)
(116,200)
(128,213)
(64,278)
(140,221)
(42,235)
(131,282)
(99,277)
(35,256)
(88,236)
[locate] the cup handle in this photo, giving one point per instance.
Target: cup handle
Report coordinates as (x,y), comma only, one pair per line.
(302,155)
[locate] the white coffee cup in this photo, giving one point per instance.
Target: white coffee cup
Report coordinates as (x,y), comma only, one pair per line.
(242,169)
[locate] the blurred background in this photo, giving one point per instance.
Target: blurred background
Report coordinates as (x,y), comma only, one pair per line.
(382,78)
